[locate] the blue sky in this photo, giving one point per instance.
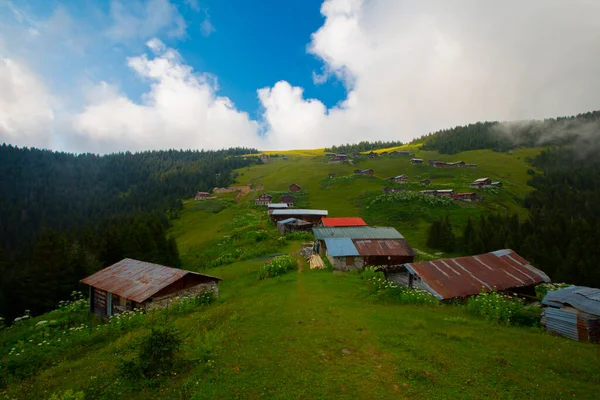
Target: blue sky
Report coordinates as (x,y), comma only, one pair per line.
(113,75)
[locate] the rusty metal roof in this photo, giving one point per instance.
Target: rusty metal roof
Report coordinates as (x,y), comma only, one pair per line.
(383,247)
(137,280)
(465,276)
(347,221)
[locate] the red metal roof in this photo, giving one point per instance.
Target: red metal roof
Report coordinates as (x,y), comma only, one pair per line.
(465,276)
(383,247)
(347,221)
(137,280)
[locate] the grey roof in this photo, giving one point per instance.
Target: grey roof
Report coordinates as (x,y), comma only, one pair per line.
(580,297)
(299,211)
(278,205)
(480,180)
(340,247)
(356,232)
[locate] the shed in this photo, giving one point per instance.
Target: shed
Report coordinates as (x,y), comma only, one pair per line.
(263,200)
(131,284)
(573,312)
(264,158)
(425,182)
(295,188)
(201,195)
(416,161)
(363,171)
(481,182)
(287,199)
(401,179)
(313,216)
(293,225)
(450,278)
(346,221)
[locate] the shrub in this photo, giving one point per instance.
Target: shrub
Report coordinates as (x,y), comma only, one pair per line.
(504,309)
(154,355)
(68,395)
(542,289)
(277,266)
(382,288)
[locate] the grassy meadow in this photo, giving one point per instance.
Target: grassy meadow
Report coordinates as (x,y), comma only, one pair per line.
(317,334)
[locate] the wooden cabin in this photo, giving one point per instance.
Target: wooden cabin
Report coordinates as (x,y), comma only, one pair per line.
(263,200)
(295,188)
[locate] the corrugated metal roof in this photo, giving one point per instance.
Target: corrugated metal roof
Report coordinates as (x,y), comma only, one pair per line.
(340,247)
(356,232)
(348,221)
(583,298)
(383,247)
(137,280)
(278,205)
(465,276)
(299,211)
(287,221)
(480,180)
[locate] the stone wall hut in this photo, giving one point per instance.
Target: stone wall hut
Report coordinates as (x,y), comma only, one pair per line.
(295,188)
(263,200)
(131,284)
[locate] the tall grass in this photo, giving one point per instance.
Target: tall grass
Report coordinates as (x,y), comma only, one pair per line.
(504,309)
(382,288)
(277,266)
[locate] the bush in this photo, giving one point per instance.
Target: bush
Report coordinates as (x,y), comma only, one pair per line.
(504,309)
(154,355)
(542,289)
(277,266)
(68,395)
(382,288)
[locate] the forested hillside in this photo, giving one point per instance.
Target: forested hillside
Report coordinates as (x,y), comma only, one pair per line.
(362,146)
(64,215)
(503,136)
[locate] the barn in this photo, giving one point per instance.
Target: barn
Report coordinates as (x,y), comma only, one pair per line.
(131,284)
(354,247)
(313,216)
(449,278)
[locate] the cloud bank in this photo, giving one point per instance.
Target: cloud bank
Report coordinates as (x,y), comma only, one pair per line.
(409,68)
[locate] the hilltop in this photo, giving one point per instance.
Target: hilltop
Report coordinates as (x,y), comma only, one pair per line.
(311,333)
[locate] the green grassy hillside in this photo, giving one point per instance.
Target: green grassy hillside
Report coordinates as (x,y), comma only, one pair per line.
(313,334)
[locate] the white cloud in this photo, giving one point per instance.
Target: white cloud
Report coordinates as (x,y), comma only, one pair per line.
(181,110)
(206,27)
(26,115)
(415,67)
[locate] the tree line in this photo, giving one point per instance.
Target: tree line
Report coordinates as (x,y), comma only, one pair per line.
(560,234)
(64,216)
(362,146)
(503,136)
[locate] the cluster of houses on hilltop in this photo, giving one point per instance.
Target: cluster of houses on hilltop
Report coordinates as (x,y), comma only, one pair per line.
(442,164)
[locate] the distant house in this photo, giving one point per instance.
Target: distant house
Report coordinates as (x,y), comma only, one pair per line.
(471,165)
(400,153)
(429,192)
(573,312)
(416,161)
(373,155)
(496,184)
(289,225)
(202,195)
(363,171)
(350,248)
(425,182)
(356,155)
(295,188)
(287,199)
(263,200)
(481,183)
(383,153)
(465,197)
(445,192)
(313,216)
(345,221)
(401,179)
(339,158)
(131,284)
(502,270)
(331,176)
(264,158)
(438,164)
(457,164)
(388,190)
